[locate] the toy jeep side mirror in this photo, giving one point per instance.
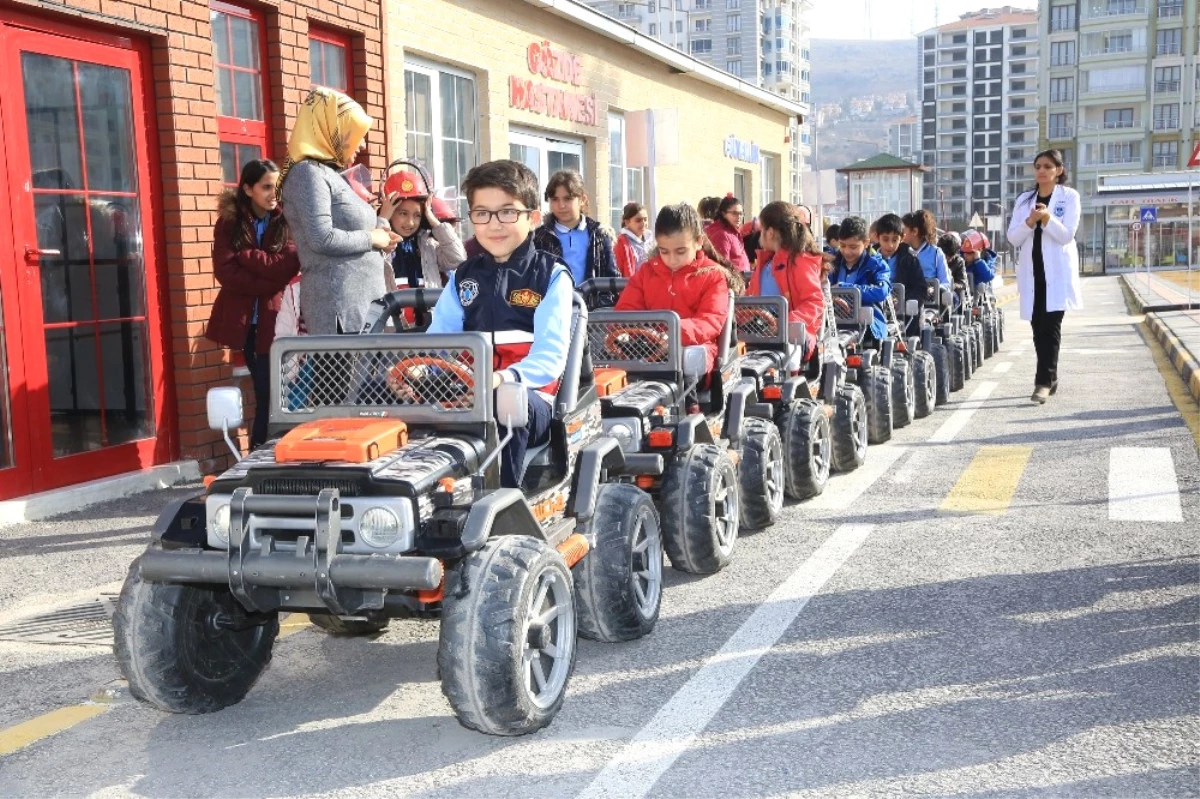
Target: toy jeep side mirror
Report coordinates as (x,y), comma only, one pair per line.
(695,360)
(912,308)
(866,316)
(224,406)
(512,405)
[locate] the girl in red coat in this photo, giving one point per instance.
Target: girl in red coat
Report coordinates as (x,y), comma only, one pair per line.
(681,278)
(792,268)
(254,259)
(725,233)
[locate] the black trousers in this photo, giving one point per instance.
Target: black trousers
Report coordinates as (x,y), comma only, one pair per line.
(535,433)
(260,373)
(1047,332)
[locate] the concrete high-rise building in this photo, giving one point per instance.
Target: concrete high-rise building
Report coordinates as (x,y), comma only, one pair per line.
(1118,91)
(763,42)
(979,115)
(904,138)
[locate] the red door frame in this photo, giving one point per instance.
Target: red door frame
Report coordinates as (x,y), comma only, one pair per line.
(27,33)
(338,39)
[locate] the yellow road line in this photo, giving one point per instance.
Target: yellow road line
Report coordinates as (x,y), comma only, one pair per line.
(1176,389)
(292,624)
(989,482)
(22,735)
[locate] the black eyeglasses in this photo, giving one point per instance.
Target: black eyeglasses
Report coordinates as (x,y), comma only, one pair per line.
(507,216)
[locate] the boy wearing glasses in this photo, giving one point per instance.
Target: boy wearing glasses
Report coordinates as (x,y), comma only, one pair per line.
(518,294)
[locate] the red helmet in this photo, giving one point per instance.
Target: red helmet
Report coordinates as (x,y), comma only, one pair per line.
(974,241)
(442,210)
(407,184)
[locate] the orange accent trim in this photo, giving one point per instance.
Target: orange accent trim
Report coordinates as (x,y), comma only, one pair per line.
(661,438)
(741,348)
(610,381)
(447,484)
(772,392)
(573,549)
(901,346)
(346,440)
(435,595)
(854,361)
(645,481)
(209,479)
(548,507)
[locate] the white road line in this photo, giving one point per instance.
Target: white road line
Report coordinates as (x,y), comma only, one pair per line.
(844,490)
(958,420)
(1142,485)
(633,773)
(1002,367)
(908,471)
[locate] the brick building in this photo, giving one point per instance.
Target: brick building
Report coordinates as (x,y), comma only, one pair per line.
(122,121)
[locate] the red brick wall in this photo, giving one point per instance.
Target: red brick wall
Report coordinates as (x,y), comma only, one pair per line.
(180,36)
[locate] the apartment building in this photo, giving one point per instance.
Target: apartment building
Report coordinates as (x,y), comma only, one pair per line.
(904,138)
(1118,89)
(979,116)
(763,42)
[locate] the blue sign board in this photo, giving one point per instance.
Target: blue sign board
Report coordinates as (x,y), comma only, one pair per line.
(1148,214)
(740,150)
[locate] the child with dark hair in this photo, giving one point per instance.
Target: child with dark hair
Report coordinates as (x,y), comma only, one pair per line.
(631,248)
(708,208)
(792,269)
(856,267)
(832,234)
(570,234)
(725,233)
(949,244)
(903,266)
(920,233)
(681,278)
(519,294)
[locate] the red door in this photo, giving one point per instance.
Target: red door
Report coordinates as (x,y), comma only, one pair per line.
(78,274)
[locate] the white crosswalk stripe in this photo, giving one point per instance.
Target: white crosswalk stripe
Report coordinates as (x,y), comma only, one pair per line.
(1142,486)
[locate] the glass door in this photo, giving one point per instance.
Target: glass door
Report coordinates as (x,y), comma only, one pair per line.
(76,160)
(545,156)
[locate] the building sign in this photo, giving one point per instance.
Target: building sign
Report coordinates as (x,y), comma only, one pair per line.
(539,98)
(1164,198)
(740,150)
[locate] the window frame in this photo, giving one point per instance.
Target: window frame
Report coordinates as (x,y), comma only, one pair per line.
(240,131)
(337,39)
(433,70)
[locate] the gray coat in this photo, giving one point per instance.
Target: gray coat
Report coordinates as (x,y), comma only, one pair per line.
(340,272)
(441,251)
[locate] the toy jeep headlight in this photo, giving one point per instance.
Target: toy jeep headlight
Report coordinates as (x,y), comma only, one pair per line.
(379,527)
(218,523)
(627,431)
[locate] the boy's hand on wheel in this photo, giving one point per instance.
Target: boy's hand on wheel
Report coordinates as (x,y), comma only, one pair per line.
(841,304)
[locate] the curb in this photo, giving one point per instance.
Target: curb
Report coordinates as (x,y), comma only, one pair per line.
(1181,357)
(1147,307)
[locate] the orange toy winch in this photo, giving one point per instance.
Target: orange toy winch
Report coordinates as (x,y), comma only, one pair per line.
(342,440)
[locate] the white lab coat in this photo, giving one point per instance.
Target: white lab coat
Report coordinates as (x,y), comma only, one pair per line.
(1059,252)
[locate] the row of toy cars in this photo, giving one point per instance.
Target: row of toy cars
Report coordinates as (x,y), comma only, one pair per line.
(381,499)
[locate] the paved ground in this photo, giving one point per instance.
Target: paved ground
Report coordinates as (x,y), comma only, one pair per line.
(1003,603)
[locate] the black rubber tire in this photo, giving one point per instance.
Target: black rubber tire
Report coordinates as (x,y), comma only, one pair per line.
(807,448)
(338,626)
(924,384)
(903,393)
(941,359)
(1000,326)
(968,339)
(173,655)
(996,337)
(700,522)
(981,352)
(958,363)
(849,429)
(485,630)
(989,336)
(877,388)
(606,580)
(760,474)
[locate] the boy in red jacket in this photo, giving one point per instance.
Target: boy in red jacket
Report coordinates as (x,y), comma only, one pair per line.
(681,278)
(792,268)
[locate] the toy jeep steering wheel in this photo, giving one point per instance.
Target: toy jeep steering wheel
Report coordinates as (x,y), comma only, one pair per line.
(635,343)
(431,381)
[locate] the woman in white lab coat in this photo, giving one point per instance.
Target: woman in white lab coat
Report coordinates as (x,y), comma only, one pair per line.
(1043,226)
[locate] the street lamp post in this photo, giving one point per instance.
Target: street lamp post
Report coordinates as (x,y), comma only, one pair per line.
(942,204)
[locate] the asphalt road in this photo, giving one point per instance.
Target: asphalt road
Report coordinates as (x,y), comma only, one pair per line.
(992,607)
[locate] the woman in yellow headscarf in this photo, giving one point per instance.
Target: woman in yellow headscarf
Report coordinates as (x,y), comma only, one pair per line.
(339,238)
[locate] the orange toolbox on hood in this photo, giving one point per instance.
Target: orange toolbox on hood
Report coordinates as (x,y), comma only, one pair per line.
(345,440)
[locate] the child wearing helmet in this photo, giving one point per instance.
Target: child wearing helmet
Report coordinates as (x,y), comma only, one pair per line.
(980,259)
(429,246)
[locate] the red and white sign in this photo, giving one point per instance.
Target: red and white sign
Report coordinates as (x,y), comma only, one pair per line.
(557,65)
(1195,159)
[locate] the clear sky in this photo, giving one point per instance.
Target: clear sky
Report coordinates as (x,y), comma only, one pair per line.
(892,19)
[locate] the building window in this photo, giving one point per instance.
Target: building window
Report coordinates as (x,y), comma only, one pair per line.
(1019,33)
(766,165)
(1062,54)
(1166,153)
(981,37)
(703,4)
(329,60)
(1018,102)
(958,141)
(679,26)
(1170,8)
(1118,118)
(733,46)
(959,38)
(733,3)
(1115,79)
(442,122)
(1169,41)
(1062,90)
(1166,116)
(651,6)
(625,9)
(703,25)
(1167,79)
(733,23)
(734,68)
(624,182)
(701,46)
(653,28)
(1060,126)
(1016,137)
(1018,50)
(1018,69)
(238,45)
(1062,18)
(1017,120)
(1017,86)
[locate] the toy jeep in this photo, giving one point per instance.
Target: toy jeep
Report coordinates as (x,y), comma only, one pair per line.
(382,500)
(870,363)
(912,345)
(939,315)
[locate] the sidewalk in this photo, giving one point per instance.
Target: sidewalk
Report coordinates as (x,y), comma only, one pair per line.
(1174,318)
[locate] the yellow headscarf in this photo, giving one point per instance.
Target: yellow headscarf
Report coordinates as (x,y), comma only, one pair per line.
(329,127)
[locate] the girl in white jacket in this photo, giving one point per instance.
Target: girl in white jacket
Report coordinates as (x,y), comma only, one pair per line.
(1043,226)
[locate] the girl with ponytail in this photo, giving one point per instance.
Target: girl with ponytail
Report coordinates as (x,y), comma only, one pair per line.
(792,268)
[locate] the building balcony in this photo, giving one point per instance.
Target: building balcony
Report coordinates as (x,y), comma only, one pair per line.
(1168,50)
(1112,160)
(1104,94)
(1167,86)
(1166,125)
(1063,62)
(1165,163)
(1062,97)
(1112,11)
(1061,132)
(1169,10)
(1116,51)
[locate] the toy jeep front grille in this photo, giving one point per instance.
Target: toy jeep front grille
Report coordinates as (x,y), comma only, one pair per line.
(303,486)
(761,320)
(637,341)
(420,378)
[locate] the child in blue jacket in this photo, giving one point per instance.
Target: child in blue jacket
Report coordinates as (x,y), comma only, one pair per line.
(856,267)
(920,233)
(980,258)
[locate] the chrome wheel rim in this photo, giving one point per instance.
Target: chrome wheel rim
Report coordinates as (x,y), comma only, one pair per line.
(773,479)
(821,454)
(858,424)
(647,566)
(725,515)
(548,639)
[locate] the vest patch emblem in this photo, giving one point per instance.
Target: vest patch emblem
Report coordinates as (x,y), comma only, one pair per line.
(524,298)
(468,290)
(1059,211)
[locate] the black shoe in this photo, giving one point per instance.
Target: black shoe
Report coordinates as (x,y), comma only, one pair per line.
(1054,388)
